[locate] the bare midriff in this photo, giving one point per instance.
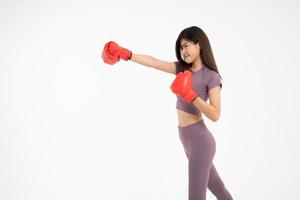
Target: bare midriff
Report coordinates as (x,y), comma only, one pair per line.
(185,119)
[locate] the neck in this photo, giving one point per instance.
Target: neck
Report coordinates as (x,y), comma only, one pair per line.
(197,64)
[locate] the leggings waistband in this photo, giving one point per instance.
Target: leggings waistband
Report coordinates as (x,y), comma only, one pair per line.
(200,122)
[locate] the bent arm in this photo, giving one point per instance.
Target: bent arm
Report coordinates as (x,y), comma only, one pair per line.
(212,109)
(155,63)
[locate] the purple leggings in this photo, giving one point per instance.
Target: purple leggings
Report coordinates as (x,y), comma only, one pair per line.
(200,147)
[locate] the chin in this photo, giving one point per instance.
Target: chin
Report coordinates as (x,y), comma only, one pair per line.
(188,61)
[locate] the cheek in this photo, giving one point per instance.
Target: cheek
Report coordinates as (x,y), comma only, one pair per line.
(191,51)
(195,51)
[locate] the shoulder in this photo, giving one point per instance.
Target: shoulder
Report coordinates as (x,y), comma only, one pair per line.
(212,78)
(211,73)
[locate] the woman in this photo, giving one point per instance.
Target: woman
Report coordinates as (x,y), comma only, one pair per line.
(197,80)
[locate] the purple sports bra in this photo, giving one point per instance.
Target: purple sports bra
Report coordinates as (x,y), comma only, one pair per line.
(203,80)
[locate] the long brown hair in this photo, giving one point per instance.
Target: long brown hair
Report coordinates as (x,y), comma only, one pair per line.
(195,35)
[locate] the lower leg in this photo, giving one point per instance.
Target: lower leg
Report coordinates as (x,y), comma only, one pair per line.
(216,185)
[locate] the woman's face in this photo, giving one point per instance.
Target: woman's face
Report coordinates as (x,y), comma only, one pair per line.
(189,51)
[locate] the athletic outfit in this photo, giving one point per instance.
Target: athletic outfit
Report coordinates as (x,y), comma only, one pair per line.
(198,142)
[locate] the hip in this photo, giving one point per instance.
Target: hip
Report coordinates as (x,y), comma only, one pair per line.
(196,137)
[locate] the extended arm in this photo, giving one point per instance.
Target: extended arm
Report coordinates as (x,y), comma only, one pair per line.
(155,63)
(112,53)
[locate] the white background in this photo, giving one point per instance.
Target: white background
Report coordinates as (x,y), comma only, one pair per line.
(72,127)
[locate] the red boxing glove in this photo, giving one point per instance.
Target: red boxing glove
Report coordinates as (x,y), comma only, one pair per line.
(112,53)
(183,86)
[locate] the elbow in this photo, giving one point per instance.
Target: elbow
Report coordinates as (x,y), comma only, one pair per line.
(215,118)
